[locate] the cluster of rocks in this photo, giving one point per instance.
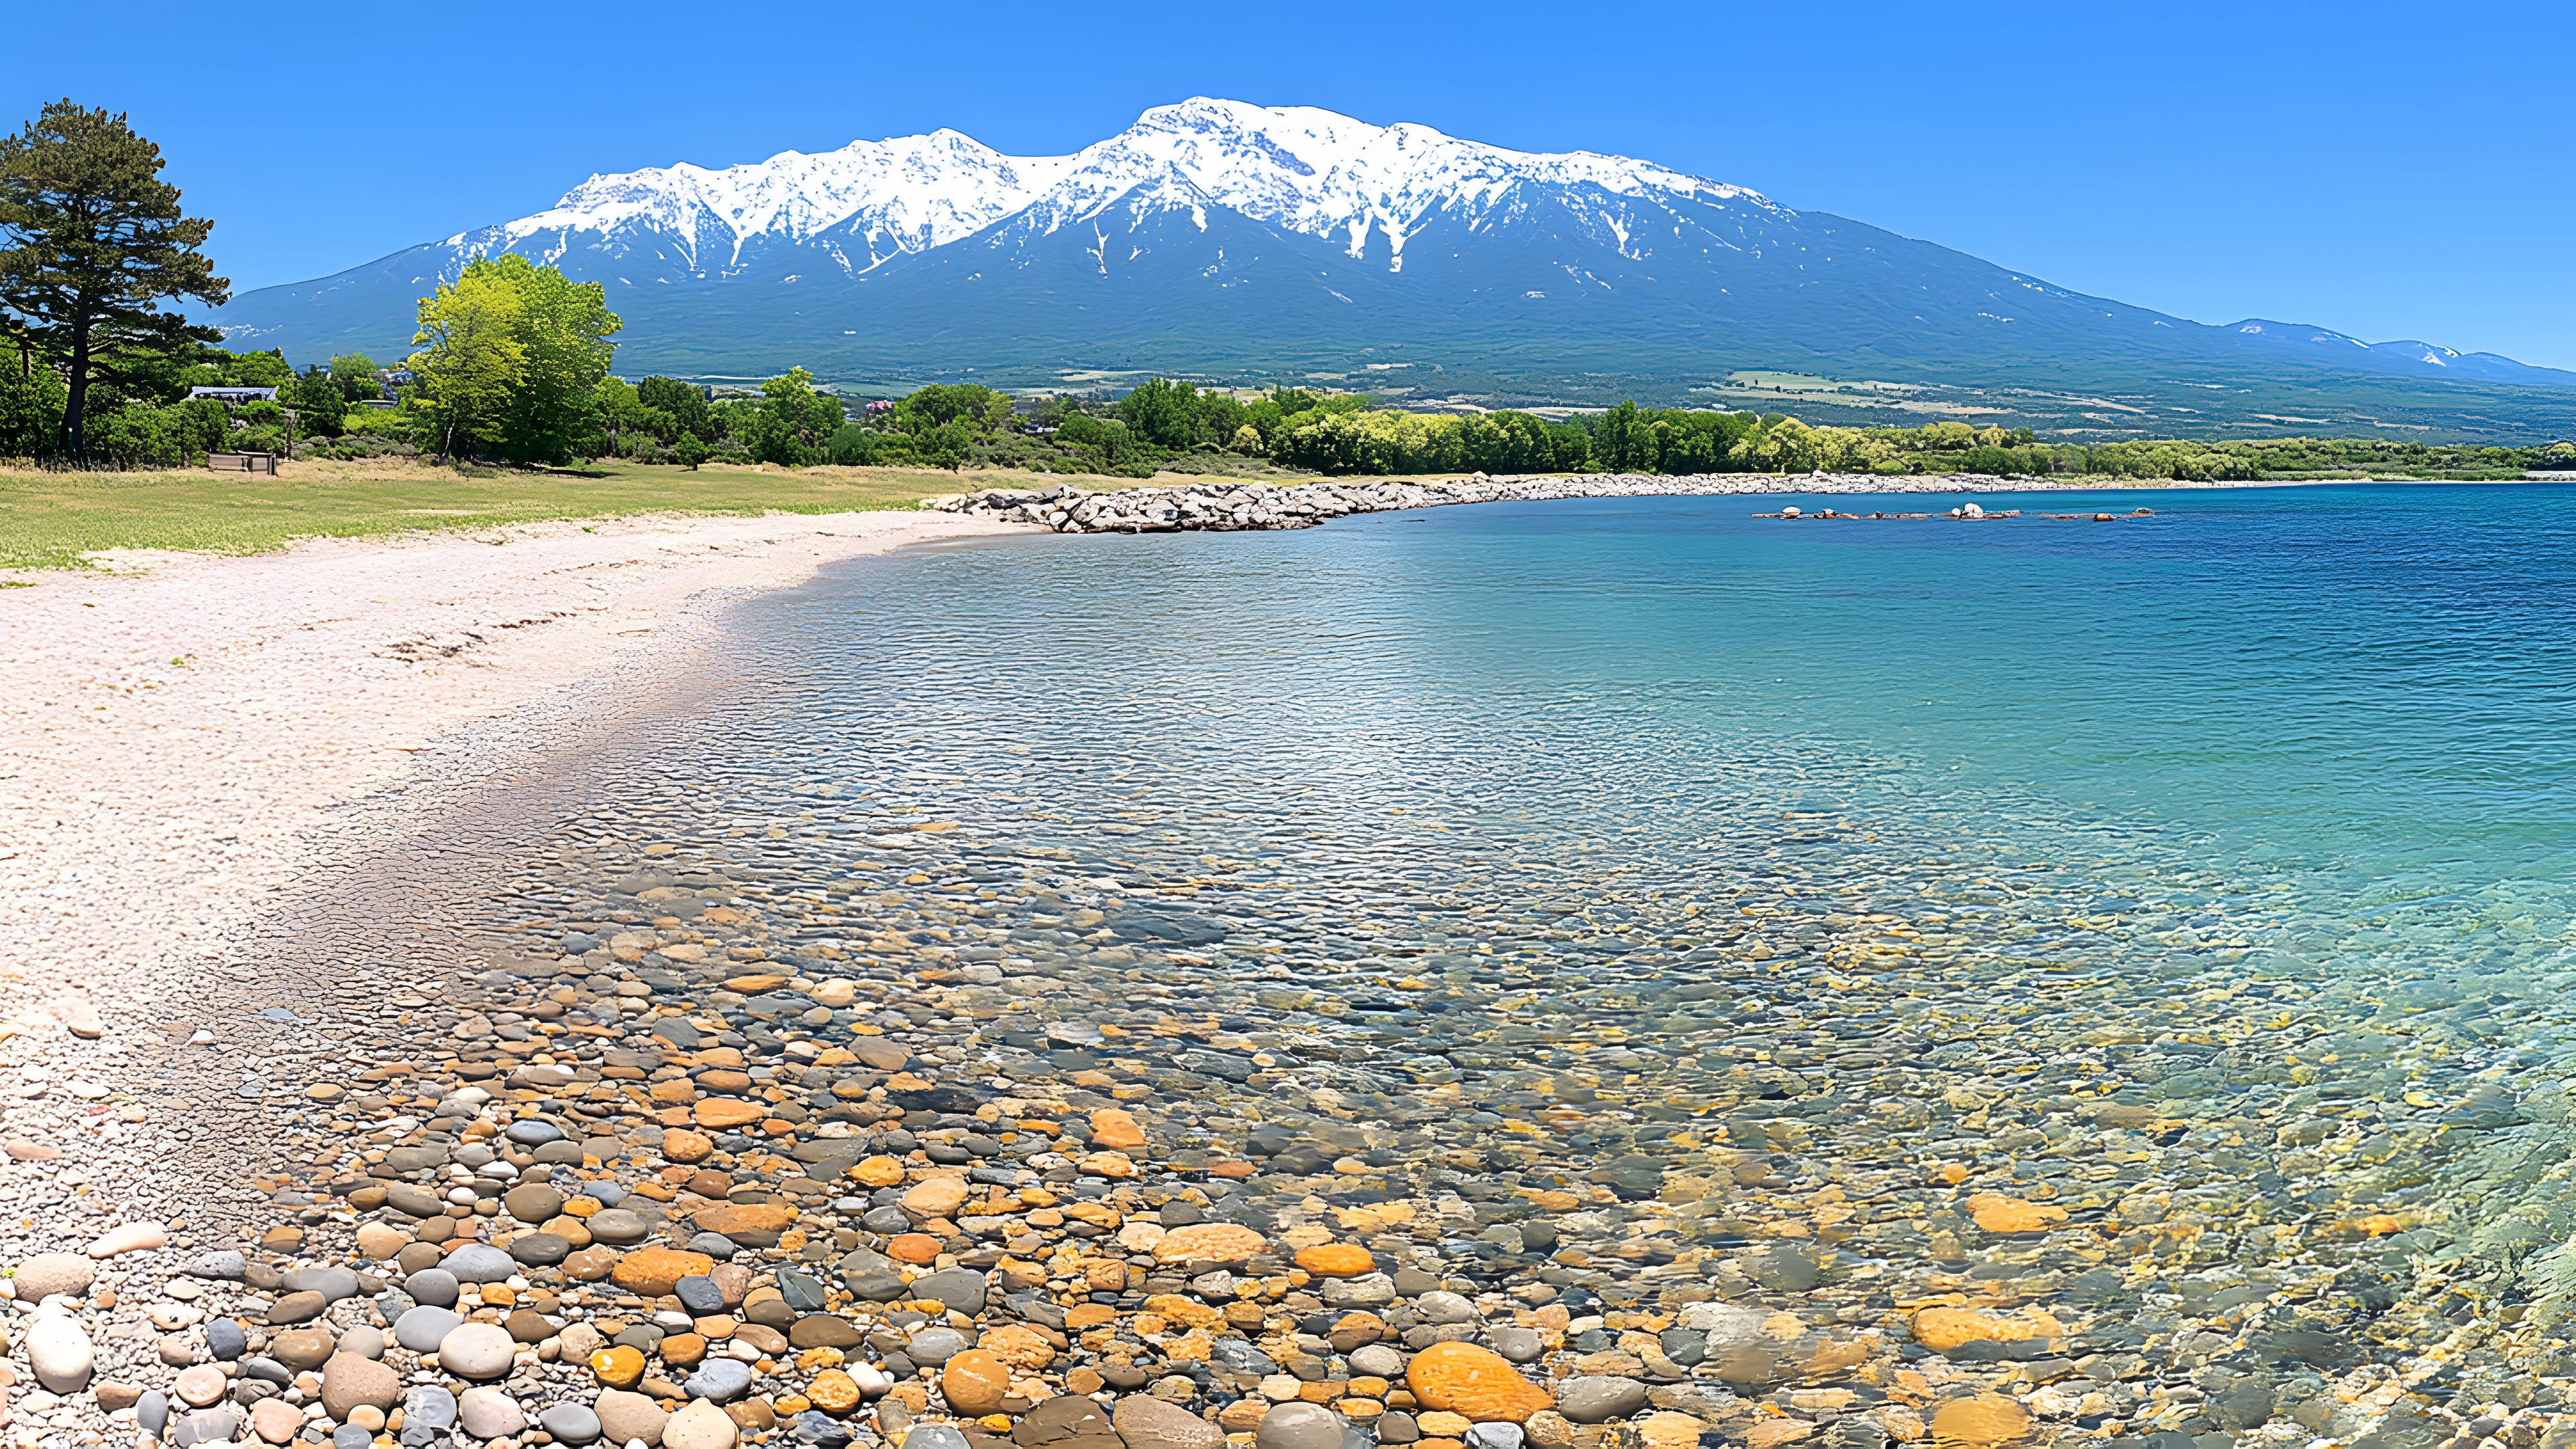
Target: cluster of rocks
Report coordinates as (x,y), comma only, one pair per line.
(1221,506)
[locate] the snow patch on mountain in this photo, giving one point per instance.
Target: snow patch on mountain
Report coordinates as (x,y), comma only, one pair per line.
(1297,167)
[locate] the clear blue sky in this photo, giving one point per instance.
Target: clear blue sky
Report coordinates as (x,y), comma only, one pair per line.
(2387,170)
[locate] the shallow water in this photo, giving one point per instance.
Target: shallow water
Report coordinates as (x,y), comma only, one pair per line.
(2153,935)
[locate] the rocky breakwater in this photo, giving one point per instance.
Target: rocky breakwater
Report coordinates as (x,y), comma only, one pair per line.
(1067,508)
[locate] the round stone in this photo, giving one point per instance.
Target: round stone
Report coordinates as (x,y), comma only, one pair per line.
(59,1352)
(1146,1422)
(533,1203)
(534,1133)
(428,1406)
(1476,1382)
(700,1295)
(199,1386)
(618,1367)
(303,1348)
(539,1250)
(1599,1398)
(933,1347)
(1336,1260)
(477,1351)
(700,1425)
(570,1423)
(349,1382)
(47,1274)
(433,1286)
(479,1263)
(617,1226)
(626,1418)
(488,1413)
(975,1383)
(421,1329)
(1299,1425)
(721,1379)
(654,1272)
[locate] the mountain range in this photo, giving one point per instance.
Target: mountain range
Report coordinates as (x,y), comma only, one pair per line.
(1224,241)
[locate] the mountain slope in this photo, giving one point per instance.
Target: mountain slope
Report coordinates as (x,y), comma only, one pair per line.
(1218,239)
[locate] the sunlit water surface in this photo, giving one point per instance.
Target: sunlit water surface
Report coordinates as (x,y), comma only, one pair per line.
(2197,885)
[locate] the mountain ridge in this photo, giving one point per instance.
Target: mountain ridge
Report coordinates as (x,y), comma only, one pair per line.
(1484,275)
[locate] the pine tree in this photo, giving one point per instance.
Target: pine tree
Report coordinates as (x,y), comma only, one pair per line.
(95,238)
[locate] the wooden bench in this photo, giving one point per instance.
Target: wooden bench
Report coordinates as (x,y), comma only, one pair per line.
(243,463)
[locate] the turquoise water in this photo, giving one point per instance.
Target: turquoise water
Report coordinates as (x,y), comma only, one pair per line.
(2201,880)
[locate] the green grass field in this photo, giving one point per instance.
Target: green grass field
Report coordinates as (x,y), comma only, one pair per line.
(52,519)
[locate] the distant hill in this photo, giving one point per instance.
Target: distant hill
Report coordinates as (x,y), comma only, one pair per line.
(1219,240)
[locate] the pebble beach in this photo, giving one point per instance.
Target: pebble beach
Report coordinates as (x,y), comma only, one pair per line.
(524,1070)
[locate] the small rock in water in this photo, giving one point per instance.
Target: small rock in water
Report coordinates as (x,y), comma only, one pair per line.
(1299,1425)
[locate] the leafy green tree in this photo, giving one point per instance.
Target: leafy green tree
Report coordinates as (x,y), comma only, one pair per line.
(321,409)
(947,445)
(515,357)
(1626,441)
(943,403)
(474,362)
(793,423)
(95,241)
(354,373)
(685,407)
(622,418)
(692,451)
(31,407)
(1162,412)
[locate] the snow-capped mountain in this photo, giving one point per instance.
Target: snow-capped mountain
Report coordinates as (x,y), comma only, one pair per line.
(1214,238)
(1296,168)
(2407,358)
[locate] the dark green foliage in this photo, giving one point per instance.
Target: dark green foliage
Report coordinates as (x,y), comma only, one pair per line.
(682,408)
(355,375)
(792,423)
(31,407)
(320,406)
(91,242)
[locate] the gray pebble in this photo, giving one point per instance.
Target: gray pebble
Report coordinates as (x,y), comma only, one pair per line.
(720,1379)
(433,1286)
(422,1328)
(332,1283)
(699,1294)
(478,1263)
(570,1423)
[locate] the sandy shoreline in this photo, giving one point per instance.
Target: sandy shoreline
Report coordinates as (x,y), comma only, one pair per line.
(168,731)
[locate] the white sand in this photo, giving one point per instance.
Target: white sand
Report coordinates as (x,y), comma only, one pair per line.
(170,735)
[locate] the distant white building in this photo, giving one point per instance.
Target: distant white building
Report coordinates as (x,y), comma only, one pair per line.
(234,394)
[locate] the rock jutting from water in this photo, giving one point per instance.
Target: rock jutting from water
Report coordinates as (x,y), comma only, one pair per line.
(1227,506)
